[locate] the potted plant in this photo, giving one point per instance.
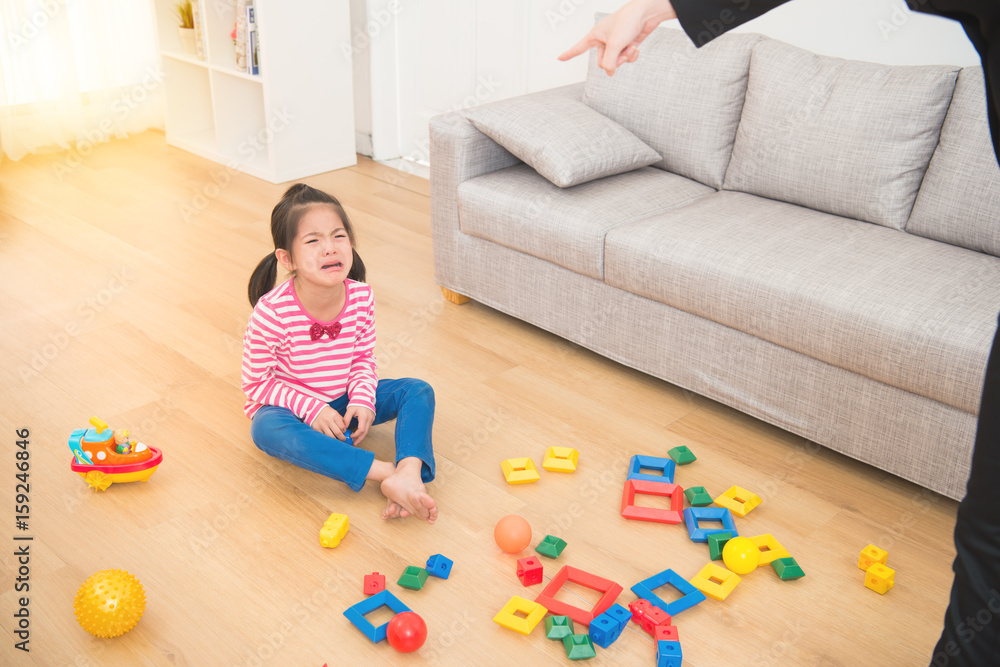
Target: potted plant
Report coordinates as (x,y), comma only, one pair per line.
(186,27)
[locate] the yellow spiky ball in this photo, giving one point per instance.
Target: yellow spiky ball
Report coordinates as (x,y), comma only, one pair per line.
(109,603)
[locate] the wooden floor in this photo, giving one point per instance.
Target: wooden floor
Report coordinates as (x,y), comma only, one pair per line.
(122,292)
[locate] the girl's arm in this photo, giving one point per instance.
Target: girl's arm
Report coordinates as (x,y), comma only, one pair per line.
(363,378)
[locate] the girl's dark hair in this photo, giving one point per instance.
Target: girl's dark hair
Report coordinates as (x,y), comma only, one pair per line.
(285,226)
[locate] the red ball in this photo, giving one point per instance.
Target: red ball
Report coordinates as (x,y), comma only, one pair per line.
(512,534)
(406,632)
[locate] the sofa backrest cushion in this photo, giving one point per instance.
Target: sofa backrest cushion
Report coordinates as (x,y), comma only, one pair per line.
(683,102)
(841,136)
(959,200)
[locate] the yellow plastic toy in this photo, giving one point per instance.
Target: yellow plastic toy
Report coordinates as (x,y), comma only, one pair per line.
(520,471)
(738,500)
(109,603)
(770,549)
(880,578)
(561,459)
(741,555)
(715,581)
(102,456)
(509,617)
(333,530)
(871,555)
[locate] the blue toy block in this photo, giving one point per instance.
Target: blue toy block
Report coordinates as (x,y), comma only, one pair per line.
(690,596)
(638,462)
(668,654)
(621,615)
(692,515)
(604,630)
(439,566)
(356,614)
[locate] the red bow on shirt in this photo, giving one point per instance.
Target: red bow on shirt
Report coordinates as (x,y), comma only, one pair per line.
(317,330)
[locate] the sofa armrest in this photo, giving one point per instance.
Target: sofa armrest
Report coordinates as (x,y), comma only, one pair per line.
(458,152)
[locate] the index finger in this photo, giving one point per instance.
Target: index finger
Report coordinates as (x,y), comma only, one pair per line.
(584,45)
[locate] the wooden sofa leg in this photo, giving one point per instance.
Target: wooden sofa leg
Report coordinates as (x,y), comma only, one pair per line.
(454,297)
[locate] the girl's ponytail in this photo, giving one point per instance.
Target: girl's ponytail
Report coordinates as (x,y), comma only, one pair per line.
(357,271)
(263,278)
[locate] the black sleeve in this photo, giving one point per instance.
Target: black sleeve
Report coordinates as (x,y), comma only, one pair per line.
(704,20)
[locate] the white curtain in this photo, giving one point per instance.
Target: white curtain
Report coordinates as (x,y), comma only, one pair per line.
(76,73)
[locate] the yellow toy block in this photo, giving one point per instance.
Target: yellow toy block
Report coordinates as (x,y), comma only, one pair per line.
(880,578)
(715,581)
(738,500)
(561,459)
(520,471)
(508,616)
(871,555)
(770,549)
(333,530)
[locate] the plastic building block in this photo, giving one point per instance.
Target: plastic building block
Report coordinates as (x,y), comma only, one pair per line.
(356,614)
(520,471)
(698,496)
(634,487)
(604,630)
(682,455)
(667,633)
(693,516)
(374,583)
(880,578)
(561,459)
(652,619)
(439,566)
(690,596)
(609,590)
(620,614)
(715,581)
(716,543)
(509,618)
(333,530)
(638,608)
(787,568)
(770,549)
(529,571)
(640,463)
(738,500)
(579,647)
(557,627)
(871,555)
(413,577)
(668,654)
(551,546)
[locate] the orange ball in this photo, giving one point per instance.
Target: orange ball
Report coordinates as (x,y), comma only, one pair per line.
(513,534)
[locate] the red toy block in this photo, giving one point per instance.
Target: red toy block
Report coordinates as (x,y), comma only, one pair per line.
(374,583)
(654,618)
(634,487)
(666,633)
(529,570)
(608,588)
(639,608)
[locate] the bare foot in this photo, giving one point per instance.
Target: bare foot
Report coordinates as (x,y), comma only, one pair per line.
(406,490)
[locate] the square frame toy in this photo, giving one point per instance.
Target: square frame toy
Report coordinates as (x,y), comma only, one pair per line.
(609,593)
(635,487)
(508,618)
(356,614)
(519,471)
(715,581)
(665,466)
(693,515)
(690,596)
(561,459)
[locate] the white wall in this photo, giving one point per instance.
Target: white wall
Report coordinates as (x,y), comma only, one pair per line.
(424,57)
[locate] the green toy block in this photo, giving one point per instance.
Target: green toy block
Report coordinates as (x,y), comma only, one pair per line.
(682,455)
(413,577)
(716,542)
(551,546)
(579,647)
(697,496)
(558,627)
(787,569)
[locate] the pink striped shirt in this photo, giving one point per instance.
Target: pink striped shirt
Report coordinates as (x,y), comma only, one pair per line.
(283,366)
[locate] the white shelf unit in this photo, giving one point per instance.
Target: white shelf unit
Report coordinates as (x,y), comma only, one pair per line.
(293,119)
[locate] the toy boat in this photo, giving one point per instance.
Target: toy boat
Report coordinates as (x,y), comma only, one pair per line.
(102,456)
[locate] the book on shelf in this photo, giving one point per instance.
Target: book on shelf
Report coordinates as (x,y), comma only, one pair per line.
(199,43)
(241,34)
(252,56)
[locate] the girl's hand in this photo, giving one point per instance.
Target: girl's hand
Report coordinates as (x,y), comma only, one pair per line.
(618,36)
(365,418)
(329,422)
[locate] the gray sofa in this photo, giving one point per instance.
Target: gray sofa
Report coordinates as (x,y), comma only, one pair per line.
(815,242)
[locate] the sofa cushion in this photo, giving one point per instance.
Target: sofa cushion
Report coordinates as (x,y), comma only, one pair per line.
(682,101)
(842,136)
(521,210)
(912,313)
(565,140)
(959,200)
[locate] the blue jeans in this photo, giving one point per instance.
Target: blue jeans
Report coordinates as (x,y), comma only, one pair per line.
(278,432)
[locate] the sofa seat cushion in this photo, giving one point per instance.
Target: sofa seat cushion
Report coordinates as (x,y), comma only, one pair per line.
(846,137)
(518,208)
(913,313)
(959,200)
